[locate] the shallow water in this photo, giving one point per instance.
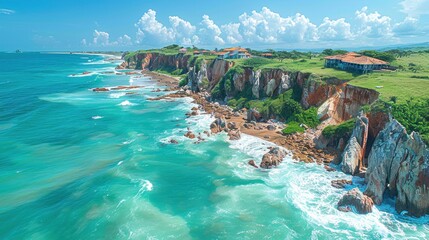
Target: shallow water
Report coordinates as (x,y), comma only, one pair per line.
(75,164)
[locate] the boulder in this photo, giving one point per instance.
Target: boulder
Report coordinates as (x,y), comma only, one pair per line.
(271,127)
(234,135)
(252,163)
(340,183)
(355,199)
(253,115)
(218,125)
(173,141)
(190,135)
(273,158)
(232,125)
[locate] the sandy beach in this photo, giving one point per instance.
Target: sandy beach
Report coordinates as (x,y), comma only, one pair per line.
(301,145)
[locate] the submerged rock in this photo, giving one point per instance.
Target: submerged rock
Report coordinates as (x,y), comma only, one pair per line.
(273,158)
(340,183)
(357,200)
(252,163)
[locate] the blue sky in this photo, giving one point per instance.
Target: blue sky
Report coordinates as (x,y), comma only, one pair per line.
(138,24)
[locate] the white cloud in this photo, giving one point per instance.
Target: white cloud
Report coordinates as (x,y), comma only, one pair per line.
(269,27)
(100,38)
(210,32)
(232,33)
(373,25)
(83,42)
(415,7)
(333,30)
(150,26)
(124,41)
(266,27)
(6,11)
(407,27)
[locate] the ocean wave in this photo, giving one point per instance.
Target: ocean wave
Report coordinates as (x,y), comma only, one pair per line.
(126,103)
(97,117)
(117,95)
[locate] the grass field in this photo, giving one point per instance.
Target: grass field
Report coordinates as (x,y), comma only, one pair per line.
(402,84)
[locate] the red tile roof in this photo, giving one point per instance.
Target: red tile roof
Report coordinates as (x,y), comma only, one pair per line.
(356,58)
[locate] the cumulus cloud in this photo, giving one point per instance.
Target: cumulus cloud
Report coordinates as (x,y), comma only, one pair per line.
(267,26)
(6,11)
(180,30)
(373,25)
(334,30)
(232,33)
(100,38)
(407,27)
(124,41)
(83,42)
(150,25)
(415,7)
(264,27)
(210,32)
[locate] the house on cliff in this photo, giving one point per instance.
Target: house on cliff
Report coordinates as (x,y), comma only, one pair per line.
(355,62)
(233,53)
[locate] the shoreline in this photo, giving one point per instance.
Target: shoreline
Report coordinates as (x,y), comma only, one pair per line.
(301,146)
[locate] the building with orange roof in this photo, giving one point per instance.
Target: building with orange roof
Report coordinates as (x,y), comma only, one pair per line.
(233,53)
(355,62)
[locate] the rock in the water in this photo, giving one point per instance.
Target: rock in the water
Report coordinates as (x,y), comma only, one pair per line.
(384,161)
(340,183)
(413,178)
(357,200)
(234,135)
(218,125)
(354,152)
(173,141)
(273,158)
(252,163)
(190,135)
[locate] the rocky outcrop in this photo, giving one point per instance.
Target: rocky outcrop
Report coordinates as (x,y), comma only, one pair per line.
(218,125)
(354,152)
(340,183)
(413,178)
(398,164)
(273,158)
(355,200)
(234,134)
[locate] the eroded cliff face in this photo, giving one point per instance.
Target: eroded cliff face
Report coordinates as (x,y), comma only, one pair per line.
(398,166)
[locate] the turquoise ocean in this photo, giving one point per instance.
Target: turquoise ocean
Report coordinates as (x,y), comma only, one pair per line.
(76,164)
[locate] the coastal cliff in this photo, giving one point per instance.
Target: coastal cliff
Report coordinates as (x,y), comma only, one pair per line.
(393,162)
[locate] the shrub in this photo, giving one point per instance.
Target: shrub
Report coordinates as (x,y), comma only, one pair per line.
(293,127)
(339,131)
(183,82)
(308,117)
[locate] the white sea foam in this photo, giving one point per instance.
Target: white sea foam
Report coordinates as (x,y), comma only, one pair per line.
(126,103)
(97,117)
(117,94)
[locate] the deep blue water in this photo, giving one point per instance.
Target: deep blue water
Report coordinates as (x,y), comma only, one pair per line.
(75,164)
